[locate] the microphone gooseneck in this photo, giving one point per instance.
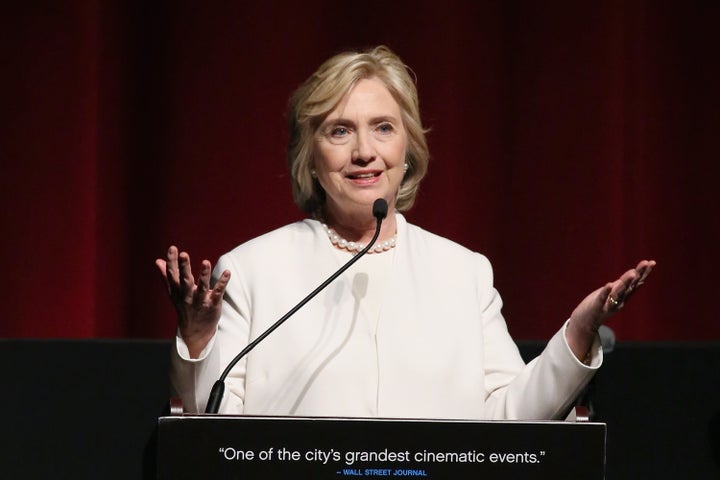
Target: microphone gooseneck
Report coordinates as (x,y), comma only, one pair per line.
(380,209)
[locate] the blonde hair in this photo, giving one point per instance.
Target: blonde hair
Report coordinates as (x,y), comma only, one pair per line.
(315,99)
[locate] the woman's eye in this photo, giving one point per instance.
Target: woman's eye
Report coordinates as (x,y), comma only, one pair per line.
(385,128)
(339,131)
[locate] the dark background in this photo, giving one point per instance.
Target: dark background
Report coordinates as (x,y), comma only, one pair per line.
(569,140)
(87,409)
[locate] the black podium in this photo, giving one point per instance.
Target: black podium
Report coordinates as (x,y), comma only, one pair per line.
(216,446)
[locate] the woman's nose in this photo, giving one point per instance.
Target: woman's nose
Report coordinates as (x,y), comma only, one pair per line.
(364,152)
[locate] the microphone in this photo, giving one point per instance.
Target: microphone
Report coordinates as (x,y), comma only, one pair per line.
(607,338)
(380,209)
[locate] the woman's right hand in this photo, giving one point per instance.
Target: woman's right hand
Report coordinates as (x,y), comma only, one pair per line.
(197,305)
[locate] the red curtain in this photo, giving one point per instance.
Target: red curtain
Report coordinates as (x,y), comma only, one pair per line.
(569,140)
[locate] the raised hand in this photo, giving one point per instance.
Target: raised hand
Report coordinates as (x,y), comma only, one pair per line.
(197,305)
(601,304)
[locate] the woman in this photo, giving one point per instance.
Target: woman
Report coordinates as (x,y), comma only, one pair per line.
(412,330)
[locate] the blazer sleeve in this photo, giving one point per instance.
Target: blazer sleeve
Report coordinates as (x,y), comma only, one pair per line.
(192,379)
(547,386)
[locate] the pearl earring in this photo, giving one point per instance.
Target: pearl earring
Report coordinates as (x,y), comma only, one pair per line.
(313,173)
(406,166)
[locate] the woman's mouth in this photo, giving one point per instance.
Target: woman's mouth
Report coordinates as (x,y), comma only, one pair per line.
(364,178)
(363,175)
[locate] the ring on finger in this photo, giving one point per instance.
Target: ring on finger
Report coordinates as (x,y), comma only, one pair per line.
(613,301)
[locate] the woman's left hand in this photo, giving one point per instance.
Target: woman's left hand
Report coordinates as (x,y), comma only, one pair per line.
(601,304)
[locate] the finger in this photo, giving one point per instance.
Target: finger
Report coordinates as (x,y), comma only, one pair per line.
(619,291)
(628,281)
(638,280)
(187,281)
(204,280)
(203,284)
(171,266)
(218,290)
(604,298)
(645,268)
(162,266)
(642,271)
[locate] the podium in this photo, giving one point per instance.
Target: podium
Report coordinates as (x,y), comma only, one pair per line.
(250,447)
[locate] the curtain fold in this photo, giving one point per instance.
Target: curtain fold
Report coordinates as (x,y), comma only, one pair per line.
(568,139)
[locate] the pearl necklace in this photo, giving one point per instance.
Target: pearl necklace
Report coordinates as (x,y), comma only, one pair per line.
(355,247)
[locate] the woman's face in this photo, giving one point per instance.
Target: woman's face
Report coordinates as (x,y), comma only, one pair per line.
(360,151)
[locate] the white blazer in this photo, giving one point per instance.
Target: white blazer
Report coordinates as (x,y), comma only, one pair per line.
(439,347)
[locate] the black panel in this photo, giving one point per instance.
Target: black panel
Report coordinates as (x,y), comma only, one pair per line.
(81,409)
(233,447)
(88,409)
